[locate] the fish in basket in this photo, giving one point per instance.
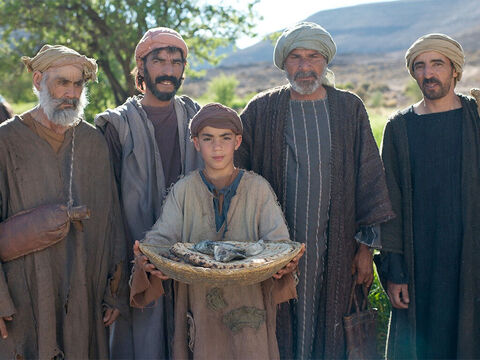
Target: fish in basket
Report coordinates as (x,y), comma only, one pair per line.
(222,263)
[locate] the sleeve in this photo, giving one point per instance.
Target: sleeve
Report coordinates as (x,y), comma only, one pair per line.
(392,231)
(116,291)
(166,231)
(115,149)
(6,303)
(396,271)
(271,222)
(370,236)
(371,195)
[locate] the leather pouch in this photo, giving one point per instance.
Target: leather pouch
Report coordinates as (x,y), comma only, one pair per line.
(38,228)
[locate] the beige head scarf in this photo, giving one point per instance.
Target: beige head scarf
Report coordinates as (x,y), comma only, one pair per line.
(59,55)
(306,35)
(440,43)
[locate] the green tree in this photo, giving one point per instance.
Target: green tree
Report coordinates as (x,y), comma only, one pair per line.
(108,30)
(223,89)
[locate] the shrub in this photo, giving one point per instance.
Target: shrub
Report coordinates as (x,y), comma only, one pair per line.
(222,88)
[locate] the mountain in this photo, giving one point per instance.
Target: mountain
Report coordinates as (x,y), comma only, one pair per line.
(384,27)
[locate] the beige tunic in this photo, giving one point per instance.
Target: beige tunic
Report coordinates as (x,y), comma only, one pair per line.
(232,322)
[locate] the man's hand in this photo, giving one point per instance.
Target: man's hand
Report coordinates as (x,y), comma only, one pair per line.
(142,261)
(3,326)
(291,266)
(398,294)
(363,265)
(110,316)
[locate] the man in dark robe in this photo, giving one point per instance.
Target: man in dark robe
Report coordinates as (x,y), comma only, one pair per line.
(55,303)
(150,148)
(314,144)
(431,152)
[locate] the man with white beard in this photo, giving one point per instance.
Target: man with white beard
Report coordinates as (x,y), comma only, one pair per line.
(62,251)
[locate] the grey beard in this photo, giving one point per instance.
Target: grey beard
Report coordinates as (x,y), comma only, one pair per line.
(305,89)
(50,106)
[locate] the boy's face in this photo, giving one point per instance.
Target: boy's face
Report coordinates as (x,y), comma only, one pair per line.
(217,147)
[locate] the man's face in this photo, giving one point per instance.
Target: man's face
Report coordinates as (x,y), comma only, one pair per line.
(62,94)
(304,69)
(434,74)
(163,71)
(217,147)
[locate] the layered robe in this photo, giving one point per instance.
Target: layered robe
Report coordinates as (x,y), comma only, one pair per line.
(146,333)
(231,322)
(58,295)
(398,234)
(358,198)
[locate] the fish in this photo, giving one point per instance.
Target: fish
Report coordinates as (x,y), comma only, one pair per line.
(207,246)
(255,248)
(227,253)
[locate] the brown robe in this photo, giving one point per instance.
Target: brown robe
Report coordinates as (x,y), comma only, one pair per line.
(57,296)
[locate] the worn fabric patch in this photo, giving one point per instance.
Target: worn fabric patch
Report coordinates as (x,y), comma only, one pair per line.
(246,316)
(215,299)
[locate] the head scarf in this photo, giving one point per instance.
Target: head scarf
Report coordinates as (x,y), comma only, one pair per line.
(440,43)
(216,116)
(159,37)
(306,35)
(59,55)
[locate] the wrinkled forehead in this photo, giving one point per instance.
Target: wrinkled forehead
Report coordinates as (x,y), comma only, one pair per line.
(68,72)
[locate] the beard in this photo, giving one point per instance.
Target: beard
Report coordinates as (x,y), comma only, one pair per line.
(161,95)
(52,106)
(433,94)
(304,87)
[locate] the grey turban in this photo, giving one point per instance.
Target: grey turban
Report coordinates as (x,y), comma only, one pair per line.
(305,35)
(440,43)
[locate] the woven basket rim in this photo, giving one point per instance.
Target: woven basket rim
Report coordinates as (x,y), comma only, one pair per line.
(187,273)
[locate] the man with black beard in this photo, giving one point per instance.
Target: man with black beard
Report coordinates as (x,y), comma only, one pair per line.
(431,152)
(62,247)
(314,144)
(150,148)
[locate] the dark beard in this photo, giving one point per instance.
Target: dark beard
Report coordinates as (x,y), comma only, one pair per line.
(160,95)
(442,90)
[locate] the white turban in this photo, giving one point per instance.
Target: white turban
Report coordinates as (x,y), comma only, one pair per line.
(305,35)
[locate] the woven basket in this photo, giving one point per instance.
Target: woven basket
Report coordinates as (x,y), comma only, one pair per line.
(248,271)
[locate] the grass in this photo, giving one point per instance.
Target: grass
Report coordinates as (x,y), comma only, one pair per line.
(19,108)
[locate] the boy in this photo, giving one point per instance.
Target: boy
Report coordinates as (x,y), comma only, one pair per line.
(219,203)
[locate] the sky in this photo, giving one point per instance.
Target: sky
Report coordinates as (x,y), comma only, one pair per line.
(279,14)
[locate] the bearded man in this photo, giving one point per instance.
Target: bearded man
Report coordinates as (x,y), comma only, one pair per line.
(431,152)
(314,144)
(60,285)
(150,146)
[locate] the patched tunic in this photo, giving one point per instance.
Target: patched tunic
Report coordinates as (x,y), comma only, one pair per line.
(231,322)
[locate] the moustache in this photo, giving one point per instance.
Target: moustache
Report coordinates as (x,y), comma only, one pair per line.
(431,81)
(65,101)
(304,74)
(175,81)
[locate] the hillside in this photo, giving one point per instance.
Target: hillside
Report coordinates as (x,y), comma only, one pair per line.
(371,40)
(384,27)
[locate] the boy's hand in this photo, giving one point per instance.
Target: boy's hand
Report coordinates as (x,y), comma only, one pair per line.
(291,266)
(142,262)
